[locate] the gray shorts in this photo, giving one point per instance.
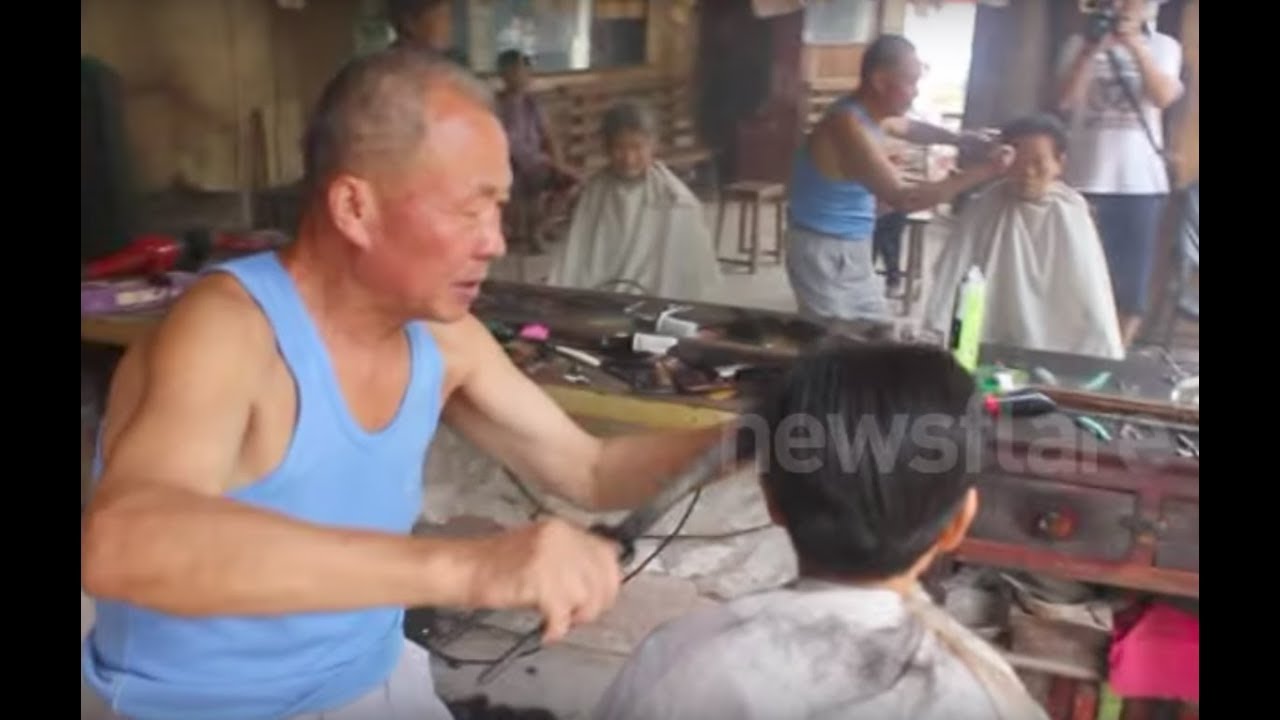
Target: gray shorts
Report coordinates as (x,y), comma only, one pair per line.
(407,694)
(834,279)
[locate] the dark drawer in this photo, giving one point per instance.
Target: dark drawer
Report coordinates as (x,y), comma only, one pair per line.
(1065,518)
(1178,543)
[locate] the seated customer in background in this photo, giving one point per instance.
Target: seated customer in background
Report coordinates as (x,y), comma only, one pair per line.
(426,25)
(855,636)
(636,223)
(541,182)
(1048,286)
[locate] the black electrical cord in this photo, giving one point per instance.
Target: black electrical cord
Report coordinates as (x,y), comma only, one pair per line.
(709,537)
(540,509)
(455,662)
(693,501)
(1118,71)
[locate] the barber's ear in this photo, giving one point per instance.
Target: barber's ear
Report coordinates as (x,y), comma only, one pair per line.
(353,208)
(955,531)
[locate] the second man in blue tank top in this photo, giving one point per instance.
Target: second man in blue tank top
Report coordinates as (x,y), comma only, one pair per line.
(841,173)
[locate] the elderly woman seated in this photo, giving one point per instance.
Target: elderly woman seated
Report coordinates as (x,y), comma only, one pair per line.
(636,225)
(1048,286)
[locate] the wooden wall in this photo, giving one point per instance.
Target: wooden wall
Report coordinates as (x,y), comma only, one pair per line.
(833,63)
(1011,74)
(1186,127)
(671,39)
(200,75)
(195,73)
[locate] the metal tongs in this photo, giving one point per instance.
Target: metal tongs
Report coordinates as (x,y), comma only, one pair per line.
(713,464)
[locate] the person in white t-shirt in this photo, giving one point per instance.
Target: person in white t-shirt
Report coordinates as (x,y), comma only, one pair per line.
(1116,157)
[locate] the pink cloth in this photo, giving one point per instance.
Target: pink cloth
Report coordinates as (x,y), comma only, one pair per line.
(534,332)
(1158,657)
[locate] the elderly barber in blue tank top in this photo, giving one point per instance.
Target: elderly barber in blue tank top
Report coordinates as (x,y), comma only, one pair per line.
(249,540)
(842,171)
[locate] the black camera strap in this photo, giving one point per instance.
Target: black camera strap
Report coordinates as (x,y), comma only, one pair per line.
(1118,70)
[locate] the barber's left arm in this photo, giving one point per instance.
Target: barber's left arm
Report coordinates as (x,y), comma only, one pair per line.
(923,133)
(1160,81)
(499,409)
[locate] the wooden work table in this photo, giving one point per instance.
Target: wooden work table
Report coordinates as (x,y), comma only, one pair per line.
(1112,513)
(602,397)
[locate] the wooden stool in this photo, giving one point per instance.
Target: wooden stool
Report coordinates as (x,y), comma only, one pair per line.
(751,195)
(913,273)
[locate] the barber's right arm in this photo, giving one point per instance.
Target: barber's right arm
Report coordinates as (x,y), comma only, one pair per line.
(866,161)
(160,532)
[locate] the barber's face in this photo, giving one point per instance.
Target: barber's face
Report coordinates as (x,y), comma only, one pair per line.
(433,224)
(899,85)
(630,154)
(1036,165)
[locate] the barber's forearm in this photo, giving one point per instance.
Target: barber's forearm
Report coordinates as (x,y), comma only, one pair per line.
(929,195)
(922,133)
(632,469)
(186,554)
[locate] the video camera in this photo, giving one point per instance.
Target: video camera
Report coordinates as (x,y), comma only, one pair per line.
(1101,18)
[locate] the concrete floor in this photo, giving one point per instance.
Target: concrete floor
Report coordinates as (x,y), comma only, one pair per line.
(464,486)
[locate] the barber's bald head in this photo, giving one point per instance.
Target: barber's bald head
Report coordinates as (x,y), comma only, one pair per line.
(406,166)
(373,113)
(890,73)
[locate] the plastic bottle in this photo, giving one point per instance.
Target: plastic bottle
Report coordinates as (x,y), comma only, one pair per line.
(966,323)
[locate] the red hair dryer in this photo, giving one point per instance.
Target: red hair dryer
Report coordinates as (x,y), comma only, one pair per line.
(144,255)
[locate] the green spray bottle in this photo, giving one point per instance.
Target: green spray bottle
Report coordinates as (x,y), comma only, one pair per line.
(966,323)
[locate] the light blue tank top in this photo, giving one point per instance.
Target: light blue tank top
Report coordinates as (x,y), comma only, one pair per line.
(837,208)
(150,665)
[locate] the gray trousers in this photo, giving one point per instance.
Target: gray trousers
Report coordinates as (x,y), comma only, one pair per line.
(834,279)
(408,694)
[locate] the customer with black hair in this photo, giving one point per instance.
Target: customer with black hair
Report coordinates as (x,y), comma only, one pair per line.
(542,183)
(1033,238)
(878,484)
(636,225)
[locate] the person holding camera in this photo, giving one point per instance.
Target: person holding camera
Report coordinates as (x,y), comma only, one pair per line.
(1116,79)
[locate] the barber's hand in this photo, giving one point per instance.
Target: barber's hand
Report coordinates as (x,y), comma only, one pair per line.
(1000,160)
(976,144)
(567,574)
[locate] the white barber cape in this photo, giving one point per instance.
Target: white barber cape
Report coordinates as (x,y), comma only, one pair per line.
(817,651)
(649,231)
(1048,285)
